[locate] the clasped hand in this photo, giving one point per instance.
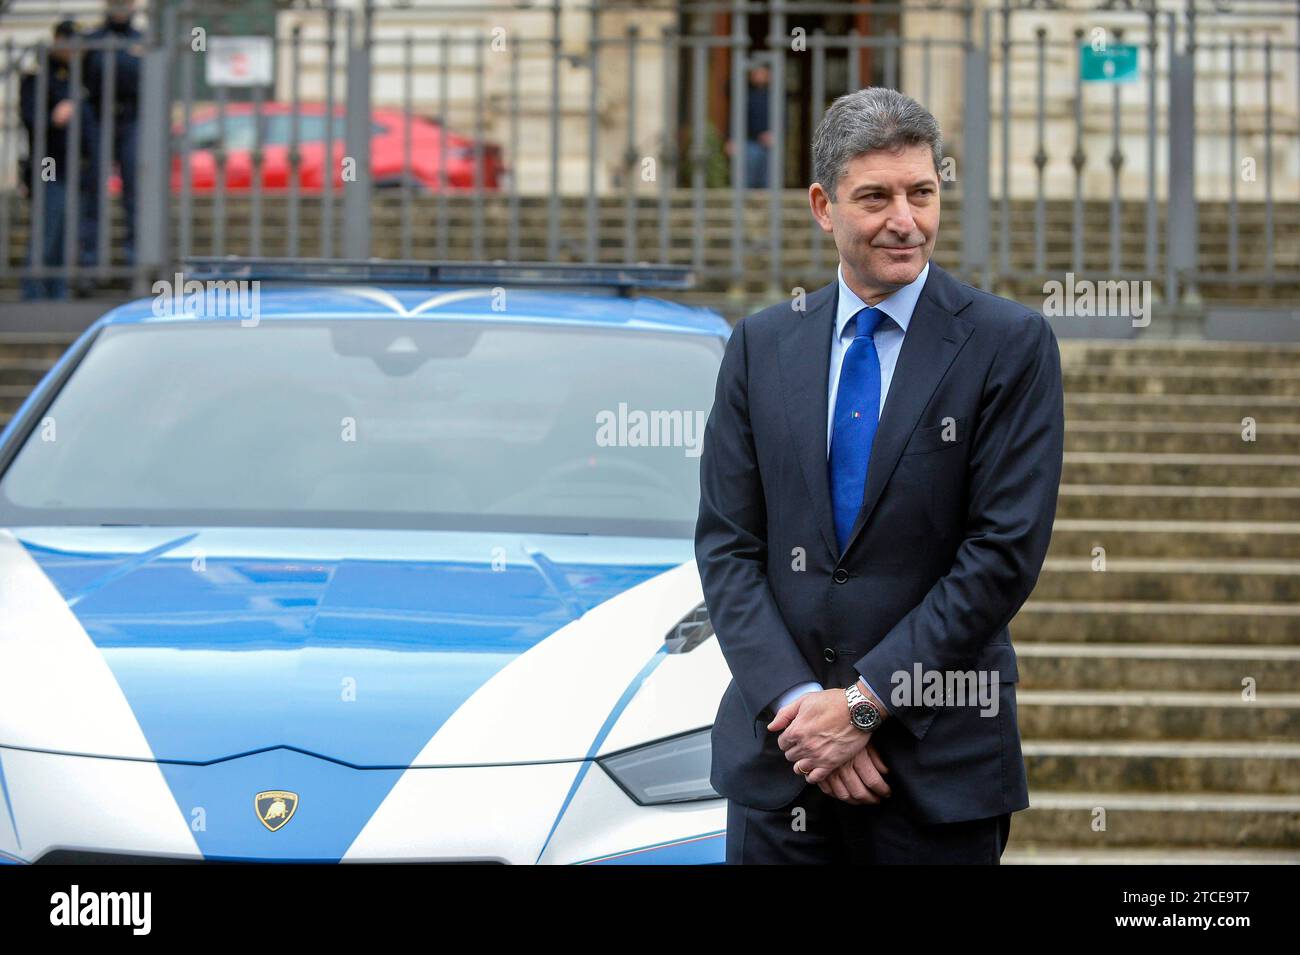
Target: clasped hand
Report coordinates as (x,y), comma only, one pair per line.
(820,741)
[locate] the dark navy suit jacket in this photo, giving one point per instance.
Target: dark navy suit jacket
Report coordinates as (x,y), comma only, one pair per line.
(949,542)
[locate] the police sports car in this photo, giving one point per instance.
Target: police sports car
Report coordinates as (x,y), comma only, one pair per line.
(394,570)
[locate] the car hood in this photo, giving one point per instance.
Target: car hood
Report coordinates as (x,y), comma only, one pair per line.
(372,649)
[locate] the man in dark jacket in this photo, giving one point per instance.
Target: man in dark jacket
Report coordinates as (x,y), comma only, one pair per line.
(45,171)
(878,479)
(758,133)
(108,43)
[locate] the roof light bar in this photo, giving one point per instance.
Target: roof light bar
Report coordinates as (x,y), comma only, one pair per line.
(397,271)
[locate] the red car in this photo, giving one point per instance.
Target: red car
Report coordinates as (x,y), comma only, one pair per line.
(387,150)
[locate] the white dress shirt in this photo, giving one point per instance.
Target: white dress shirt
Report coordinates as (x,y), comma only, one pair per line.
(888,337)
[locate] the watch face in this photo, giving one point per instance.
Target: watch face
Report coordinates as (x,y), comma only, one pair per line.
(864,715)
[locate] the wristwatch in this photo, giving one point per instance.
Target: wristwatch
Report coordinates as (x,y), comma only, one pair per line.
(862,712)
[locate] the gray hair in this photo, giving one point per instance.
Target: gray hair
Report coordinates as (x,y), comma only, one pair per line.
(876,117)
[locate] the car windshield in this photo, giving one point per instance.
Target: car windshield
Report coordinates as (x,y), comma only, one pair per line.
(435,424)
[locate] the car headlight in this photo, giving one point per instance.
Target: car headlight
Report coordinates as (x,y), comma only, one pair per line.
(665,771)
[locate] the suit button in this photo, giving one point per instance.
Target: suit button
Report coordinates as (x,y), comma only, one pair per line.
(829,654)
(840,575)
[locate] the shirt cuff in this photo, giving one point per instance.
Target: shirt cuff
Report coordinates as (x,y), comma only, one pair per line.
(792,694)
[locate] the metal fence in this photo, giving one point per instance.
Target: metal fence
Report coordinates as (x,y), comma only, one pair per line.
(597,133)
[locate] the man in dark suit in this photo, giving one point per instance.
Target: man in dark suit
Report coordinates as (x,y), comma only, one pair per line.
(877,487)
(117,40)
(44,172)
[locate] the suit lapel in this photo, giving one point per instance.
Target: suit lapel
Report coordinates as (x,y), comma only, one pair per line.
(805,374)
(934,337)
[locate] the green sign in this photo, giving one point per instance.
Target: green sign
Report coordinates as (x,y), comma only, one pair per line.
(1115,64)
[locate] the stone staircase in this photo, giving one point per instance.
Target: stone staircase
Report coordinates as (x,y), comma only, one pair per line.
(1139,743)
(24,359)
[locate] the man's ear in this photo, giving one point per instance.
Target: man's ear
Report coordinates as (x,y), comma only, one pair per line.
(818,196)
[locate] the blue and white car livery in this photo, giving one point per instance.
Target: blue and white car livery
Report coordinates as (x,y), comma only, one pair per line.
(392,574)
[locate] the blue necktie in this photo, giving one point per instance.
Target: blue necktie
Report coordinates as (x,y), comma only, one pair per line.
(857,412)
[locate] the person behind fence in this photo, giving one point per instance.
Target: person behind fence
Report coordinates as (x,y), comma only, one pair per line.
(122,111)
(46,246)
(758,134)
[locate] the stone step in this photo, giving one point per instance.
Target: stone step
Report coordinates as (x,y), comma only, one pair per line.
(1177,502)
(1182,437)
(1157,715)
(12,397)
(1109,621)
(1163,380)
(1163,667)
(1134,467)
(1021,852)
(44,345)
(22,372)
(1227,410)
(1169,579)
(1179,355)
(1179,539)
(1166,370)
(1159,821)
(1177,766)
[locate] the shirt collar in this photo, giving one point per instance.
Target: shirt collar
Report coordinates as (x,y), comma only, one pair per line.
(899,305)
